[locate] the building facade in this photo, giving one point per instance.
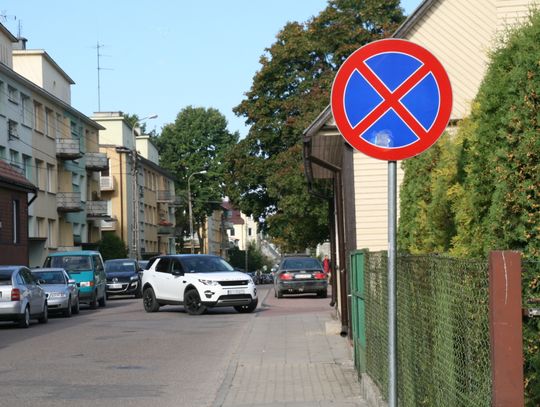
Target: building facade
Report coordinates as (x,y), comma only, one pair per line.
(139,195)
(54,145)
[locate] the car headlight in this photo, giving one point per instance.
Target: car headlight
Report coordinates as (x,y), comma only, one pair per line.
(57,295)
(134,278)
(208,282)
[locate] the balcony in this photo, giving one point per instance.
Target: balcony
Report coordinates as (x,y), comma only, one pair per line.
(107,184)
(165,196)
(165,230)
(109,225)
(96,161)
(68,149)
(96,209)
(69,202)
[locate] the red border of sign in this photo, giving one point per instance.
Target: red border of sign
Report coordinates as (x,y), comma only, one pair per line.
(354,61)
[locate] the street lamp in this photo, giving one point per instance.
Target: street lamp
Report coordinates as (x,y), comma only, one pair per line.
(134,185)
(190,208)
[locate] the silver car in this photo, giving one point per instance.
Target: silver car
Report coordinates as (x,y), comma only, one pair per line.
(62,291)
(21,297)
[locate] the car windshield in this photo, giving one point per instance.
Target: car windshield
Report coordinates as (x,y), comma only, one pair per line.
(5,277)
(71,263)
(205,264)
(301,264)
(119,265)
(50,277)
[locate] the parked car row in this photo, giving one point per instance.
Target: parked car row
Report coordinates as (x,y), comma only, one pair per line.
(197,282)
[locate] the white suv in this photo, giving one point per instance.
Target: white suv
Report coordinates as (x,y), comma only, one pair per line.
(198,282)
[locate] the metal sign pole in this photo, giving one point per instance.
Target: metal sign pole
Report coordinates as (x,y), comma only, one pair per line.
(392,320)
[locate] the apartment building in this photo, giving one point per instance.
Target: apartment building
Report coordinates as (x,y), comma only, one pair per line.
(139,194)
(54,145)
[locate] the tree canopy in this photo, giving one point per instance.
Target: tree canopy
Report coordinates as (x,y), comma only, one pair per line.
(265,170)
(197,141)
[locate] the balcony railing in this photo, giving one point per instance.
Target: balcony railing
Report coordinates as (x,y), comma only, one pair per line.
(68,149)
(165,196)
(107,183)
(96,209)
(96,161)
(69,202)
(109,225)
(165,230)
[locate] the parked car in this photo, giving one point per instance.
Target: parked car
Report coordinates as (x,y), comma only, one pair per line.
(298,275)
(86,268)
(198,282)
(21,297)
(62,292)
(123,277)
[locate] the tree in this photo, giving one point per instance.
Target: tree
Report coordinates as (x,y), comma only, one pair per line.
(288,92)
(198,140)
(256,259)
(501,158)
(112,247)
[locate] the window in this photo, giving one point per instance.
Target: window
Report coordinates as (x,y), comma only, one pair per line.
(14,159)
(2,152)
(51,238)
(49,182)
(13,129)
(2,106)
(59,126)
(249,231)
(39,181)
(13,94)
(39,117)
(232,232)
(26,108)
(16,219)
(163,265)
(40,227)
(27,167)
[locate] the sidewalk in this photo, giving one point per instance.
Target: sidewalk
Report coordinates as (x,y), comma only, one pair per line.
(288,359)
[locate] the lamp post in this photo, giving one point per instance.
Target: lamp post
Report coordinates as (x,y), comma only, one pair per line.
(190,208)
(134,185)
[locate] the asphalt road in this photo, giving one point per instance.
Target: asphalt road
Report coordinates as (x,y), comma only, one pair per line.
(121,356)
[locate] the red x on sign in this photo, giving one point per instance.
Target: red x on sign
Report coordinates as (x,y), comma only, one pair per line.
(391,99)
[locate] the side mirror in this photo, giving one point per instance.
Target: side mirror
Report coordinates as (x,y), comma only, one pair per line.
(40,281)
(177,273)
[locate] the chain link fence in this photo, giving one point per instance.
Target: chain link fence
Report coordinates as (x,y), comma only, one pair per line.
(443,330)
(531,331)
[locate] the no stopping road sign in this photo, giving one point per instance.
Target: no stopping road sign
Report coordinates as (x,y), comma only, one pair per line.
(391,99)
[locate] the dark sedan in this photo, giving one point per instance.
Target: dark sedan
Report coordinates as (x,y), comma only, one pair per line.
(123,277)
(298,275)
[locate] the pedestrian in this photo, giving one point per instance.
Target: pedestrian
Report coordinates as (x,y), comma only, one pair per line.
(326,265)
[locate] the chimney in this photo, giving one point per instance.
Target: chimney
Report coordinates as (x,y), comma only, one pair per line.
(21,44)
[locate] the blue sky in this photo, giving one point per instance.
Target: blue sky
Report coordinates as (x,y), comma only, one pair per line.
(158,56)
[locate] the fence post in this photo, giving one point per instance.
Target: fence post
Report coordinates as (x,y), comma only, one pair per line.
(506,329)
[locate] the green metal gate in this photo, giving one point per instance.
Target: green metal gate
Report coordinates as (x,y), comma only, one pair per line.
(358,310)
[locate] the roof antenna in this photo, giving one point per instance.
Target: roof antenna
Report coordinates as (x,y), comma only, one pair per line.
(99,69)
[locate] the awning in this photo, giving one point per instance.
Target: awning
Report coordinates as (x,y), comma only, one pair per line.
(323,147)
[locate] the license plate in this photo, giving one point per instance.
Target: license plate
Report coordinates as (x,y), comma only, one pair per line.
(232,292)
(115,285)
(302,276)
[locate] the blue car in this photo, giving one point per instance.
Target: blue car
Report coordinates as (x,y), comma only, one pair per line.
(86,268)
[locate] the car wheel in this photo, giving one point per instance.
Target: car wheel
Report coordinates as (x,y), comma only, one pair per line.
(68,312)
(138,294)
(25,320)
(93,301)
(193,304)
(149,300)
(77,307)
(44,318)
(279,293)
(103,300)
(245,309)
